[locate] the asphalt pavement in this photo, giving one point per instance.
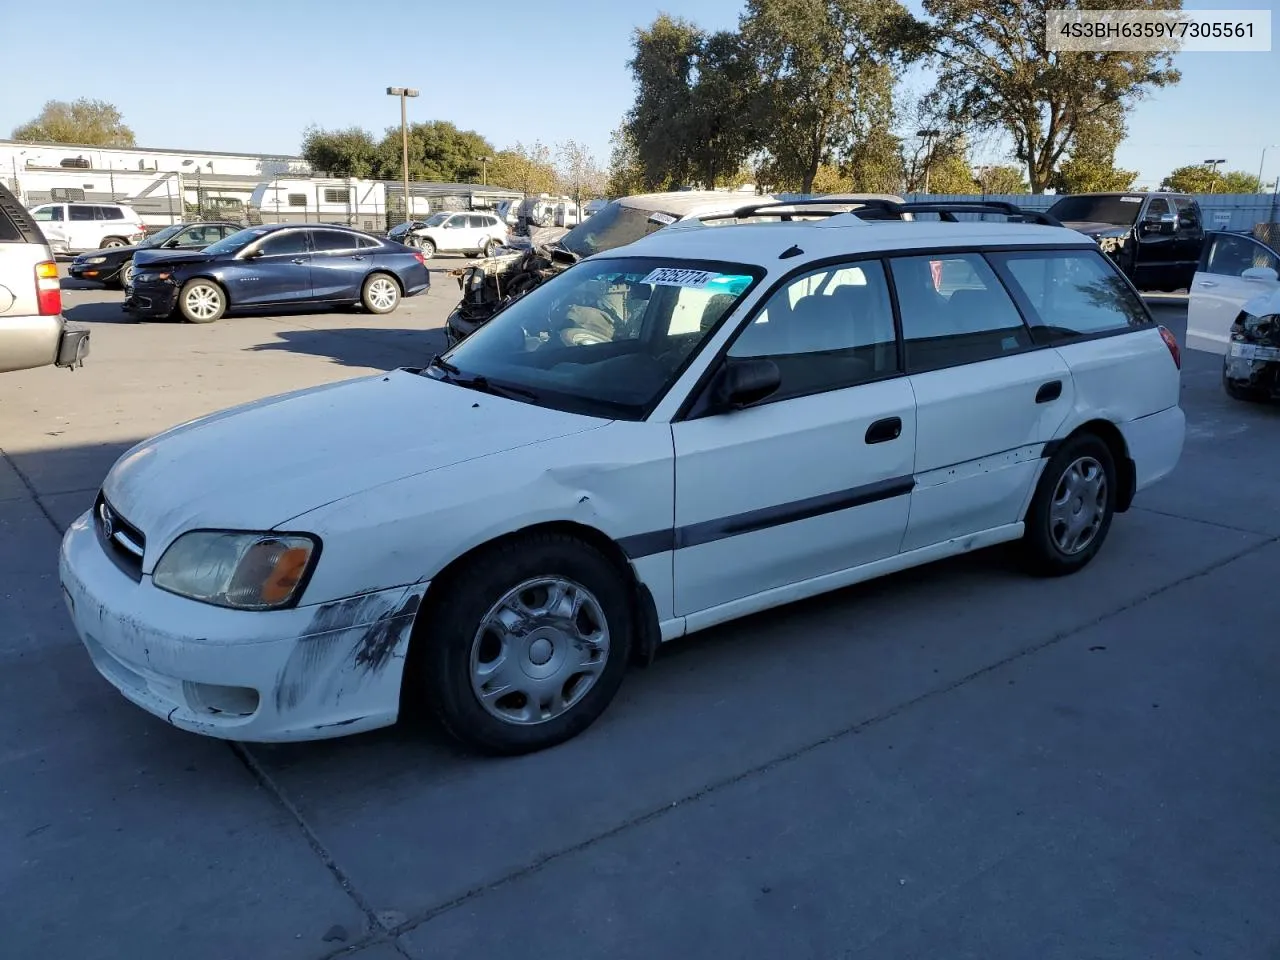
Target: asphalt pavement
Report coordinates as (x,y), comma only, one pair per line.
(958,761)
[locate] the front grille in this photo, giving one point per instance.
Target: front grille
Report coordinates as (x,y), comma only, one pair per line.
(123,542)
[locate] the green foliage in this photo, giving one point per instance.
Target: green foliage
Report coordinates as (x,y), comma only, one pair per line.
(951,173)
(997,73)
(1001,179)
(438,150)
(94,123)
(1091,166)
(341,153)
(1196,178)
(626,176)
(524,168)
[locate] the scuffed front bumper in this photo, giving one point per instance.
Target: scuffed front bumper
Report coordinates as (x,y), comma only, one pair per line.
(309,673)
(151,300)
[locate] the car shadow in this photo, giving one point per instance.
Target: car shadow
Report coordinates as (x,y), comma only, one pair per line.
(109,312)
(71,283)
(377,347)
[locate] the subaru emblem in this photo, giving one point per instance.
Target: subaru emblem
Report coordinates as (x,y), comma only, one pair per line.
(108,521)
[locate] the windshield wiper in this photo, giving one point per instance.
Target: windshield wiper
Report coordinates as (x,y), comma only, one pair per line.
(458,378)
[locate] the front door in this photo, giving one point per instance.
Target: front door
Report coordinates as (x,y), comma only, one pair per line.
(1219,288)
(282,273)
(1155,267)
(814,479)
(985,402)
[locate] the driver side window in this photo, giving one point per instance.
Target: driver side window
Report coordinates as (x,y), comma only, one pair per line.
(826,330)
(285,244)
(1231,256)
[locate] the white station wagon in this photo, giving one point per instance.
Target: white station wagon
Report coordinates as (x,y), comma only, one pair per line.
(706,423)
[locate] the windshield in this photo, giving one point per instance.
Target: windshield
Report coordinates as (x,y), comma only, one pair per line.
(436,219)
(158,238)
(1122,211)
(613,226)
(605,338)
(237,241)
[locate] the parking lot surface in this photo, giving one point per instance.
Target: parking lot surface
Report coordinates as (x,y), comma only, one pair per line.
(958,761)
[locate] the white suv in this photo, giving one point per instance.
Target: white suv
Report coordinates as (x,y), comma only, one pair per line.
(668,435)
(81,227)
(480,233)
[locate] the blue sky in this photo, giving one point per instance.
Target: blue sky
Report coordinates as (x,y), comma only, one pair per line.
(514,71)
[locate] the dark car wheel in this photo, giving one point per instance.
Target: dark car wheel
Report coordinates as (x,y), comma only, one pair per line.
(380,293)
(1072,509)
(527,645)
(202,301)
(125,277)
(1244,394)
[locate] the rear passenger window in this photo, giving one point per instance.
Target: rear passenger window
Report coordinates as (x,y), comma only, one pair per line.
(82,213)
(826,330)
(1071,293)
(112,213)
(954,311)
(332,240)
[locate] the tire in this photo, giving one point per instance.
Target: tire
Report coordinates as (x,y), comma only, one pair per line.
(427,247)
(461,645)
(123,275)
(110,243)
(488,249)
(380,293)
(1243,394)
(202,301)
(1049,546)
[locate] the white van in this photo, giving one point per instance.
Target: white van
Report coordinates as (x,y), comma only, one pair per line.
(81,227)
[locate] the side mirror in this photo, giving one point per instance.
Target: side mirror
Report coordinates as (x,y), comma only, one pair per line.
(171,242)
(1264,274)
(741,383)
(254,254)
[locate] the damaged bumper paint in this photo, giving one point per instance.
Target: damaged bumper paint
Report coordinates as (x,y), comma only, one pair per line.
(328,669)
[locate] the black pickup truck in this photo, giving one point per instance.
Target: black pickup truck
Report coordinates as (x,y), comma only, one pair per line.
(1155,238)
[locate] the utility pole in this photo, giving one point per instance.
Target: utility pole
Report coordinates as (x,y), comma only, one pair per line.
(403,93)
(484,170)
(1213,170)
(928,136)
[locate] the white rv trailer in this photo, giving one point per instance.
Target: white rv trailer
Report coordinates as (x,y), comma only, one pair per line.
(372,205)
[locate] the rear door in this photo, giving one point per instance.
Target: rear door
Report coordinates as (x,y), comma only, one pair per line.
(84,229)
(338,265)
(1077,303)
(1188,240)
(986,400)
(813,480)
(1219,288)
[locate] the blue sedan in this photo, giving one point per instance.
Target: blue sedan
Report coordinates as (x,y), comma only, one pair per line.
(264,268)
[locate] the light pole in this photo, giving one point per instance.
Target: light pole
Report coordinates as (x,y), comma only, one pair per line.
(1269,146)
(402,93)
(484,170)
(1213,169)
(928,136)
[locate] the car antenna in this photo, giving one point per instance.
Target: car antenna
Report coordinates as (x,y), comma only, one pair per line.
(792,251)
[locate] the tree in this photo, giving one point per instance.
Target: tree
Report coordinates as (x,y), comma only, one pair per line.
(1196,178)
(352,152)
(718,118)
(1091,166)
(625,173)
(438,150)
(94,123)
(952,174)
(524,168)
(579,174)
(996,71)
(658,124)
(823,78)
(1001,179)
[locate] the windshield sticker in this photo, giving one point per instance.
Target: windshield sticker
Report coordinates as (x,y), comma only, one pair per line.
(1130,199)
(664,218)
(675,277)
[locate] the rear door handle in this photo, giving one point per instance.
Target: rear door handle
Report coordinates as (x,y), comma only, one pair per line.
(299,259)
(882,431)
(357,256)
(1049,392)
(1207,283)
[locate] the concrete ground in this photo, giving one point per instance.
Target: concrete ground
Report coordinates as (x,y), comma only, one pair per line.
(955,762)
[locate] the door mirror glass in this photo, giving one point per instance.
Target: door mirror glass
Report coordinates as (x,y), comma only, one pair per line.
(1261,273)
(741,383)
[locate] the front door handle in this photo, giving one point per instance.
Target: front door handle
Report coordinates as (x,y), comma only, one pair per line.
(357,256)
(1049,392)
(882,431)
(1207,283)
(299,259)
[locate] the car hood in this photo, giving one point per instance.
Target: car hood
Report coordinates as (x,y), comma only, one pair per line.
(111,252)
(257,466)
(150,258)
(1093,229)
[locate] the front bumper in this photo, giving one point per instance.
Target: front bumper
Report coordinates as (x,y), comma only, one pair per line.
(151,300)
(309,673)
(1257,374)
(97,272)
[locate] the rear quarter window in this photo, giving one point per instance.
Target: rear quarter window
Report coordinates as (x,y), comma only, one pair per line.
(1068,294)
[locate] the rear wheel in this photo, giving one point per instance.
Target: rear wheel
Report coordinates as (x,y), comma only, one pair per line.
(202,301)
(527,645)
(489,248)
(380,293)
(1244,394)
(110,243)
(1072,509)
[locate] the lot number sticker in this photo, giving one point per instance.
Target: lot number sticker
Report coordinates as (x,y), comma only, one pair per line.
(674,277)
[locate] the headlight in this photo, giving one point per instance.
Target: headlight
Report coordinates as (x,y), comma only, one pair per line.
(145,277)
(96,260)
(244,571)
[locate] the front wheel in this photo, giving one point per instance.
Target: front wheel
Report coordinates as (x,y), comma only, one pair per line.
(380,294)
(201,301)
(110,243)
(1072,509)
(527,645)
(126,275)
(1244,394)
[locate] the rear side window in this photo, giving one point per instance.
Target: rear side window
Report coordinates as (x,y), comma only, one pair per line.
(81,213)
(332,240)
(954,311)
(1071,293)
(112,213)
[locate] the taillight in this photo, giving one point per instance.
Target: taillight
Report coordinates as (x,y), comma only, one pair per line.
(1171,342)
(48,289)
(420,258)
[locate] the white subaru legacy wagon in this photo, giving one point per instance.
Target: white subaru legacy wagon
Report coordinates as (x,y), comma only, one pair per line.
(706,423)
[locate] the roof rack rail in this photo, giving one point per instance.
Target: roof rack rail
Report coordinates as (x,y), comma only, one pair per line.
(780,208)
(947,209)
